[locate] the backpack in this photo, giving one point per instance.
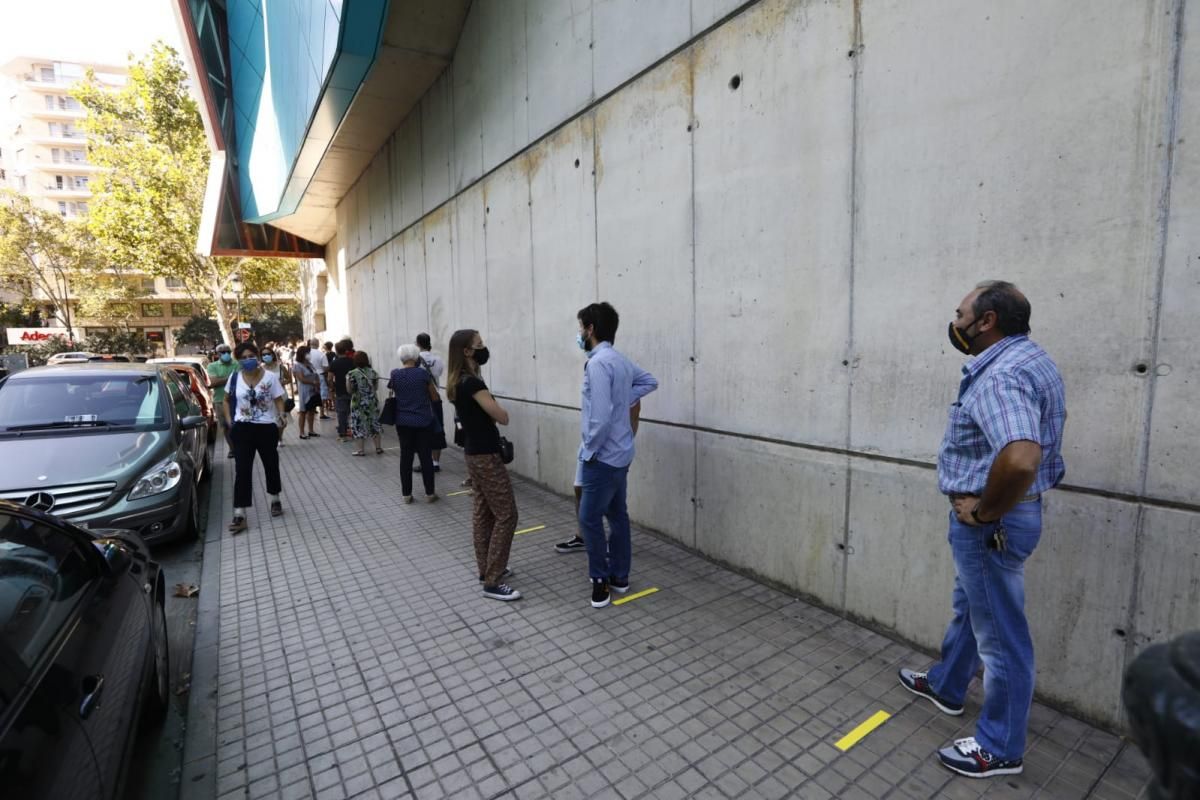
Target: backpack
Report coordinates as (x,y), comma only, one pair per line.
(231,396)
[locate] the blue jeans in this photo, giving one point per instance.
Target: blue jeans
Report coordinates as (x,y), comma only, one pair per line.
(604,496)
(989,626)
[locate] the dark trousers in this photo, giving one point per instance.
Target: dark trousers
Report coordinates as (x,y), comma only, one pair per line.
(415,441)
(250,438)
(342,403)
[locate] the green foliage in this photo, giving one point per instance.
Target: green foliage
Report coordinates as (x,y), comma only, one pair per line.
(146,205)
(119,343)
(44,257)
(277,324)
(201,331)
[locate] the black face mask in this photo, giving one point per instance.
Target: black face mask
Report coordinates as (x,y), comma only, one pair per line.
(482,355)
(959,339)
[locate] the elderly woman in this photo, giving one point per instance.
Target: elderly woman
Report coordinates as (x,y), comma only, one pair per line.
(310,391)
(362,381)
(415,395)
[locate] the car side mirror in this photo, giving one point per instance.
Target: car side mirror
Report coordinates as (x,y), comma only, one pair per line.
(116,555)
(191,423)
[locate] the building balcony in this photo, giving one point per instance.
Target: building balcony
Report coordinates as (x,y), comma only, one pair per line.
(63,139)
(57,114)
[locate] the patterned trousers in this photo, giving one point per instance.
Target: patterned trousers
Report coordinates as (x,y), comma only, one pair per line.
(495,515)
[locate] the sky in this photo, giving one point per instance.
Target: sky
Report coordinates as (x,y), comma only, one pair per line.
(103,31)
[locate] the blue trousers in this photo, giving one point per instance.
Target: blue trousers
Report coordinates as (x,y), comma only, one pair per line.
(989,627)
(604,496)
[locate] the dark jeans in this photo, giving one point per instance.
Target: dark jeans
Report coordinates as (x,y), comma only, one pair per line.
(604,496)
(250,438)
(342,403)
(989,627)
(415,441)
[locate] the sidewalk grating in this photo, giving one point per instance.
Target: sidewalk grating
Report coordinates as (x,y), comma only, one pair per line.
(355,658)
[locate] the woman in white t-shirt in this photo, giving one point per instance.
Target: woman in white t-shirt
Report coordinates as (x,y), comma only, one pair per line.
(256,404)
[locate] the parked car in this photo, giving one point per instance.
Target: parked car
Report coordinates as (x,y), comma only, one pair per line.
(196,380)
(110,358)
(104,446)
(83,655)
(69,358)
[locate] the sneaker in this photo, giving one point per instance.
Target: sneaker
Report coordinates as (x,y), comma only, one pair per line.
(502,592)
(277,509)
(238,525)
(918,684)
(966,757)
(230,454)
(508,573)
(620,586)
(437,467)
(572,545)
(432,498)
(600,597)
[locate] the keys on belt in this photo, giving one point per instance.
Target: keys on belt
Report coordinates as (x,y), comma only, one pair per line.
(998,540)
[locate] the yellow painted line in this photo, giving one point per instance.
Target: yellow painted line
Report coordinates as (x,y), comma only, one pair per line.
(858,734)
(634,596)
(456,494)
(530,530)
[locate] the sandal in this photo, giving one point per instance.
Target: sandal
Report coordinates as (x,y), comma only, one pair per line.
(315,434)
(302,438)
(277,509)
(358,453)
(378,451)
(238,525)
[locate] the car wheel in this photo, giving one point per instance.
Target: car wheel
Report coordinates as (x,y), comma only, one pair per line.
(158,689)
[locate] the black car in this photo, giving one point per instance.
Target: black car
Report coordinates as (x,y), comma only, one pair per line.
(83,655)
(104,446)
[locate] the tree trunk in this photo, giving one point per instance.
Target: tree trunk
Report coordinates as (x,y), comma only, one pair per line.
(222,311)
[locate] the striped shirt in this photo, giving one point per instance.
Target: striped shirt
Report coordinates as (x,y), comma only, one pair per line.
(1011,392)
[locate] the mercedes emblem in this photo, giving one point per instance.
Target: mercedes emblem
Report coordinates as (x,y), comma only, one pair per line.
(41,501)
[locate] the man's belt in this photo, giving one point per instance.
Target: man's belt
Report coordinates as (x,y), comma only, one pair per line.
(1029,498)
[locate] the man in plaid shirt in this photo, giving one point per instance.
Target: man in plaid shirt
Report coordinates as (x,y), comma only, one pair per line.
(1001,451)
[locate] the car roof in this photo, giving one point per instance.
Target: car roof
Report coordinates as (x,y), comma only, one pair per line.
(179,360)
(89,368)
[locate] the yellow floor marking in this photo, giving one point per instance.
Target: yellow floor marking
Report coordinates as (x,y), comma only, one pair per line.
(456,494)
(858,734)
(634,596)
(530,530)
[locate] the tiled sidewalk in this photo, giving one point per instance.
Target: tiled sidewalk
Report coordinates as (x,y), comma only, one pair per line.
(356,658)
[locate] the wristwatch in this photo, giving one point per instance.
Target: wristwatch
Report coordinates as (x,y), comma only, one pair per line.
(978,521)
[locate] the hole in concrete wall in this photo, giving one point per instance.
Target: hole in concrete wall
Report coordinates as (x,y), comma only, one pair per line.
(487,210)
(841,546)
(689,128)
(845,362)
(1120,632)
(1141,369)
(735,82)
(577,163)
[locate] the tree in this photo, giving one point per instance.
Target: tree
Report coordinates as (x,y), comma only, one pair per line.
(146,204)
(119,342)
(201,331)
(278,324)
(44,257)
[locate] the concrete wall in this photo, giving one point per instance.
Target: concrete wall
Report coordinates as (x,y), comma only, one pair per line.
(785,256)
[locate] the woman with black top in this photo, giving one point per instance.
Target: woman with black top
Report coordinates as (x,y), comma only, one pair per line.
(495,518)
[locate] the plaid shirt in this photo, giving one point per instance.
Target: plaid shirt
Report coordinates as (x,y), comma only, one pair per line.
(1012,392)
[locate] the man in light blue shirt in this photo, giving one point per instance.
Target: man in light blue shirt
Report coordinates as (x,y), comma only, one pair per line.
(612,385)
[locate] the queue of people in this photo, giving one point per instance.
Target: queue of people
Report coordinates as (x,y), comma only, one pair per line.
(1002,450)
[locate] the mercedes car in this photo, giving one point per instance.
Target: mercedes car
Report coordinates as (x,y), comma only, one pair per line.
(104,446)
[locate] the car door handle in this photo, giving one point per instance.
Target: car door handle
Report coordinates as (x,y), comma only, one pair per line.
(93,688)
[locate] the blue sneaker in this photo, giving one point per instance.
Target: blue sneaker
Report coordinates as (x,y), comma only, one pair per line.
(918,684)
(966,757)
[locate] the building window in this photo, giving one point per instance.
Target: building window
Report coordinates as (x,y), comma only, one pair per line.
(62,208)
(80,181)
(152,310)
(174,283)
(81,208)
(58,182)
(2,174)
(148,286)
(69,104)
(49,102)
(181,309)
(46,74)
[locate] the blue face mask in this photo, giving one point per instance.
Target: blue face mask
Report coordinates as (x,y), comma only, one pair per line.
(267,359)
(582,342)
(226,358)
(249,364)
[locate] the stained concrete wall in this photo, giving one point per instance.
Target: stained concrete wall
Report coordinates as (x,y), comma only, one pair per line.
(786,201)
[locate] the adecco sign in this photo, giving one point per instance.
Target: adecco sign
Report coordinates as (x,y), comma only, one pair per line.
(33,336)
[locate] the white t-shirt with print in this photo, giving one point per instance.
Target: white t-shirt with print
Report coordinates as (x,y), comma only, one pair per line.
(256,403)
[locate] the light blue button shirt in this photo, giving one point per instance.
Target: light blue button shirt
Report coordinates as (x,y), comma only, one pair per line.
(612,384)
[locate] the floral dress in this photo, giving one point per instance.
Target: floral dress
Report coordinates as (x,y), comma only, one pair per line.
(364,402)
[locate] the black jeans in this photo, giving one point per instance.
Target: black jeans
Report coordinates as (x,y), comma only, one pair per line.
(415,441)
(250,438)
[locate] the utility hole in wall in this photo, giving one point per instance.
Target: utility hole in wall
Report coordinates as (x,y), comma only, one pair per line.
(577,163)
(735,82)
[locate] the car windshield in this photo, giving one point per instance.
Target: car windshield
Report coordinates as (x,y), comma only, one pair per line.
(83,401)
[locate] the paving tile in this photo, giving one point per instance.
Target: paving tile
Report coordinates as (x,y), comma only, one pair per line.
(333,684)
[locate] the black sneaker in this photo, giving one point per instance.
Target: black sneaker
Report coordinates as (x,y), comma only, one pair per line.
(618,585)
(572,545)
(966,757)
(918,684)
(600,597)
(508,573)
(502,592)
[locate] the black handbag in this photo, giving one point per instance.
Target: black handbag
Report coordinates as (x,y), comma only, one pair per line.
(387,416)
(506,451)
